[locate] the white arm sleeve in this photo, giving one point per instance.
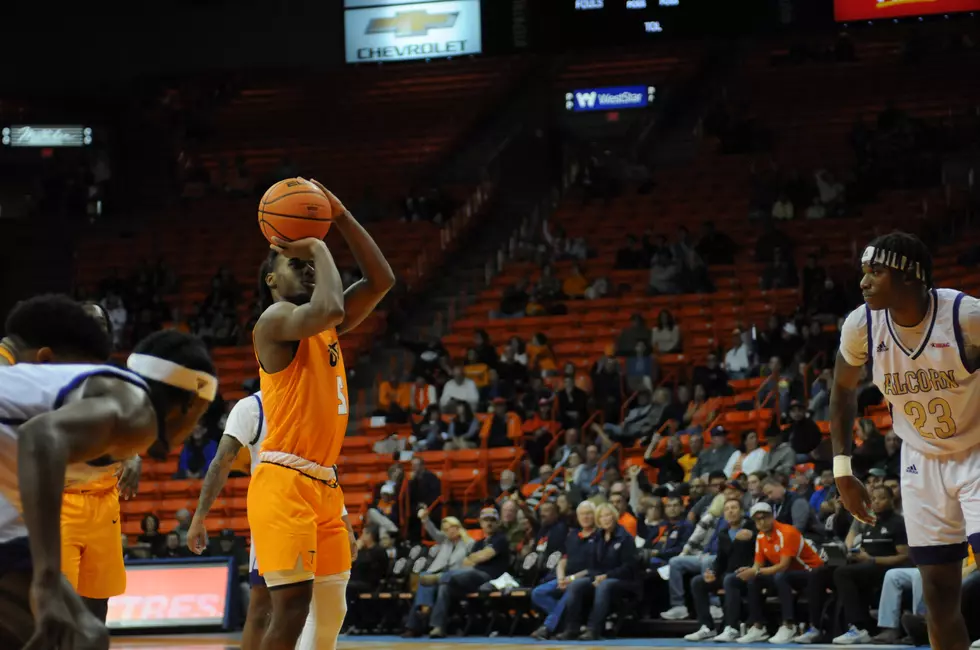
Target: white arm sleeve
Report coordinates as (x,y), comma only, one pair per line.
(243,421)
(854,337)
(970,323)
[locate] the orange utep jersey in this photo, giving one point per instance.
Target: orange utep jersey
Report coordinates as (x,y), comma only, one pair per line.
(306,405)
(785,541)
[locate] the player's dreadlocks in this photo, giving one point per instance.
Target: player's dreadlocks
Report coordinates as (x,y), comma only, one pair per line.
(910,247)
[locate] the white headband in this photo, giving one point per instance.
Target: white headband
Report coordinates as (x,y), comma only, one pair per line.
(892,259)
(172,374)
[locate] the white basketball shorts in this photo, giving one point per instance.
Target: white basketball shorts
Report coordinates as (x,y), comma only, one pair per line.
(941,503)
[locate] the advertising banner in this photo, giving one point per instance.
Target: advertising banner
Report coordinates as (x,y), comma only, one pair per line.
(613,98)
(174,593)
(847,10)
(418,30)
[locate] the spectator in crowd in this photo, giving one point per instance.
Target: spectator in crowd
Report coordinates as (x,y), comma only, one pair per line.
(511,370)
(750,458)
(569,447)
(695,444)
(551,596)
(642,370)
(476,370)
(453,545)
(815,210)
(873,550)
(151,538)
(575,284)
(514,302)
(499,434)
(813,278)
(628,338)
(384,513)
(670,538)
(506,485)
(424,487)
(429,362)
(368,570)
(431,432)
(788,507)
(612,575)
(739,359)
(423,395)
(197,454)
(552,532)
(715,458)
(586,473)
(803,433)
(540,356)
(783,561)
(172,548)
(782,458)
(670,473)
(572,404)
(485,351)
(870,452)
(619,500)
(607,386)
(510,524)
(488,560)
(777,383)
(641,420)
(459,389)
(736,549)
(665,275)
(712,376)
(394,400)
(666,336)
(891,464)
(464,429)
(897,583)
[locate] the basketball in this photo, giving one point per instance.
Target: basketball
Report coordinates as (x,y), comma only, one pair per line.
(294,209)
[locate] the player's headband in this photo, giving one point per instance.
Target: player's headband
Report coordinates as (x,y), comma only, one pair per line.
(200,383)
(891,259)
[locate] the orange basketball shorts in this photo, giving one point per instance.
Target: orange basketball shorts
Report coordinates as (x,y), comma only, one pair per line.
(296,522)
(91,544)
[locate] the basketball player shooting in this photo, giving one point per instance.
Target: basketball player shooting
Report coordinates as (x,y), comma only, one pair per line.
(50,329)
(246,428)
(295,503)
(61,425)
(924,345)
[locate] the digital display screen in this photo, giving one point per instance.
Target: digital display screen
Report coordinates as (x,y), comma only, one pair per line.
(848,10)
(412,30)
(173,594)
(608,99)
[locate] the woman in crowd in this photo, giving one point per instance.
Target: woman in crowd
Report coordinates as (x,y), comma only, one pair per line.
(750,458)
(665,338)
(613,574)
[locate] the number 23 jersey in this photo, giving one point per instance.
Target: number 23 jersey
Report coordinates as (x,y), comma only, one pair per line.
(926,372)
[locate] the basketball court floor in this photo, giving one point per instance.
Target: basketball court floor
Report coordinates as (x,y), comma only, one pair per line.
(226,642)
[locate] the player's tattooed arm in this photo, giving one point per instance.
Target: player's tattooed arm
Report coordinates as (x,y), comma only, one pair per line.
(363,296)
(214,482)
(843,405)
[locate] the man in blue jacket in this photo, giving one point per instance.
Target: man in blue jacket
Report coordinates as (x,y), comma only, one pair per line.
(671,538)
(551,597)
(614,572)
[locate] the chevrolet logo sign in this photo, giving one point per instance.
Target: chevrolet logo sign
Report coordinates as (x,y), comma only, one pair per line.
(411,23)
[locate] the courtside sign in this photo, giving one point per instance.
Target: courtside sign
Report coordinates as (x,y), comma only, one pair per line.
(173,594)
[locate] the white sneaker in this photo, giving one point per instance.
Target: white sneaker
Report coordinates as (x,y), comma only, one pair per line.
(728,635)
(852,637)
(703,634)
(754,635)
(717,613)
(675,613)
(785,634)
(810,636)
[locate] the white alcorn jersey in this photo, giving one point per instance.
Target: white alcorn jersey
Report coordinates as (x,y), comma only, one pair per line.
(29,390)
(925,375)
(246,424)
